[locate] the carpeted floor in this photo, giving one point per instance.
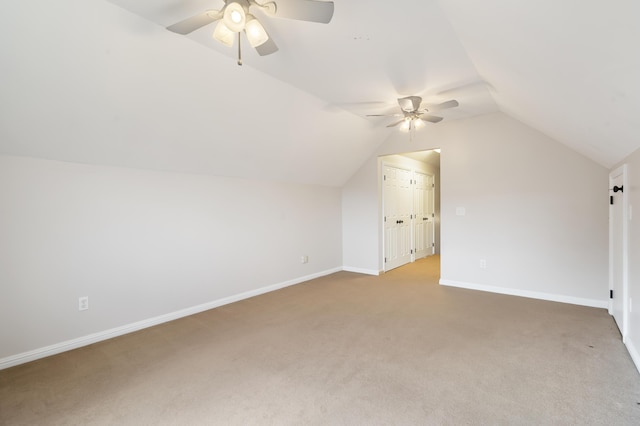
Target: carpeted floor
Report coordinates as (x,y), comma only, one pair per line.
(346,349)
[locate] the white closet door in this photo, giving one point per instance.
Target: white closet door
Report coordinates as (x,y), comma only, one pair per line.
(398,202)
(424,208)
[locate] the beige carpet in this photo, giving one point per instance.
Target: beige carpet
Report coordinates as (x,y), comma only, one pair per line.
(346,349)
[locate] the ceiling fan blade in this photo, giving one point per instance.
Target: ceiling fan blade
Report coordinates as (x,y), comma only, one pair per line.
(305,10)
(444,105)
(268,8)
(267,48)
(191,24)
(410,103)
(385,115)
(396,123)
(431,118)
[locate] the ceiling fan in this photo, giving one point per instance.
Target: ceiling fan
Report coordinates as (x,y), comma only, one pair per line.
(235,17)
(413,117)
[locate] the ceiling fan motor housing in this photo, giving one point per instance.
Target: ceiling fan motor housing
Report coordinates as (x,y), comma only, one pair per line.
(410,103)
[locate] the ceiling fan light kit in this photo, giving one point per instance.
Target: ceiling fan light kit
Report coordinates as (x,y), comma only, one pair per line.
(411,124)
(256,34)
(235,15)
(235,18)
(223,34)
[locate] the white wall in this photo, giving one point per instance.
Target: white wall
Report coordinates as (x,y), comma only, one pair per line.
(633,190)
(361,235)
(534,211)
(143,244)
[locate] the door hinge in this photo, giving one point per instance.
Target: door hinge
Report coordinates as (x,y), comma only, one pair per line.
(610,294)
(384,177)
(433,185)
(385,260)
(433,215)
(433,244)
(411,252)
(385,218)
(611,199)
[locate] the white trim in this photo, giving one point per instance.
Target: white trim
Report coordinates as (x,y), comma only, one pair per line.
(594,303)
(361,270)
(150,322)
(635,356)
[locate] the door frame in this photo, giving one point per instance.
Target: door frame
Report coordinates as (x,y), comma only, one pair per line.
(621,170)
(415,168)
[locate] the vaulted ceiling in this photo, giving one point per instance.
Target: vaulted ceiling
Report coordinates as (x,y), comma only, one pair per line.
(104,82)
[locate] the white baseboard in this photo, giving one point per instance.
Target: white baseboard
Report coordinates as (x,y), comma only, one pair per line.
(139,325)
(594,303)
(635,357)
(361,270)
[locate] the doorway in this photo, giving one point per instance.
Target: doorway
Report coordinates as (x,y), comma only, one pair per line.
(410,200)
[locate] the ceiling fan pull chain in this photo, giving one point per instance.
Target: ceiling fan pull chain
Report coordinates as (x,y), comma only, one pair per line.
(239,51)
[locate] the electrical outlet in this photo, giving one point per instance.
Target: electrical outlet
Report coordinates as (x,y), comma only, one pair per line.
(83,303)
(483,263)
(304,259)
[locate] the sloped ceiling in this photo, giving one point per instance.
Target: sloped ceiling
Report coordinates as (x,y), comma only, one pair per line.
(103,82)
(567,68)
(367,56)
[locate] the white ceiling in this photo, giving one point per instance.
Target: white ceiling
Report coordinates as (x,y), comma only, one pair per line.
(370,52)
(103,82)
